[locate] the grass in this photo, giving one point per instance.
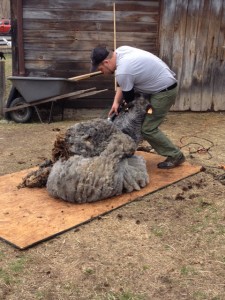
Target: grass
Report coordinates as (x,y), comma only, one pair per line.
(17,266)
(39,295)
(124,296)
(188,270)
(5,277)
(2,255)
(158,231)
(9,274)
(176,252)
(89,271)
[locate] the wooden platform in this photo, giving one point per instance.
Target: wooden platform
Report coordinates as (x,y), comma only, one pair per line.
(29,216)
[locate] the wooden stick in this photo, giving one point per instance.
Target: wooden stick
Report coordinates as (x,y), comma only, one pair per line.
(114,35)
(56,98)
(114,24)
(88,94)
(2,86)
(85,76)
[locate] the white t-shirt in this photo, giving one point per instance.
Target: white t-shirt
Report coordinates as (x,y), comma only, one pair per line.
(141,70)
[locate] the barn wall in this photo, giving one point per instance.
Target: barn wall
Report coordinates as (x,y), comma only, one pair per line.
(192,43)
(58,36)
(55,38)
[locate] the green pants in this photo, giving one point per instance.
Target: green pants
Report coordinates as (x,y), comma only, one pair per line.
(161,104)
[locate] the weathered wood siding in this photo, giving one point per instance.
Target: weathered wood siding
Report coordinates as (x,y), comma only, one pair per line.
(192,43)
(58,36)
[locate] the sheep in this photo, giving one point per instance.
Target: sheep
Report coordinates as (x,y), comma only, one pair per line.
(96,159)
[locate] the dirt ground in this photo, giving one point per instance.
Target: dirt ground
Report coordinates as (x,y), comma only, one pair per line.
(167,245)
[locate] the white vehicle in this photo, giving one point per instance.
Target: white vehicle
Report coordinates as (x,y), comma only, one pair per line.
(8,43)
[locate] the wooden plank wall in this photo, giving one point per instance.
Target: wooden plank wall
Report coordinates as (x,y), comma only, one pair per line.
(59,35)
(192,44)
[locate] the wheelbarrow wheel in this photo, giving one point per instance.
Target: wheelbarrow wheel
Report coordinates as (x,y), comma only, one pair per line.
(22,115)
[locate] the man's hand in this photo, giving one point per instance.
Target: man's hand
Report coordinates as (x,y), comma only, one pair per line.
(114,109)
(116,103)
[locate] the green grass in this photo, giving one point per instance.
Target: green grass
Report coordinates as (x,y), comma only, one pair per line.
(158,231)
(2,255)
(40,295)
(17,266)
(123,296)
(9,274)
(188,271)
(6,277)
(89,271)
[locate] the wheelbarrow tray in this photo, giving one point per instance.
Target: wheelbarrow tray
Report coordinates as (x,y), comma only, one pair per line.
(38,88)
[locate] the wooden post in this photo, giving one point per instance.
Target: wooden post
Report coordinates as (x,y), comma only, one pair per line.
(114,35)
(2,86)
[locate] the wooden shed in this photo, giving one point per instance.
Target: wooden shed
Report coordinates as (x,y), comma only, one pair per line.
(55,37)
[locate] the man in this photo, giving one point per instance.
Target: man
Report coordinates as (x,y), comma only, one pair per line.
(140,71)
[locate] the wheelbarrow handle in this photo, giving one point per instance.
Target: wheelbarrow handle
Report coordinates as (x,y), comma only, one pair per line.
(85,76)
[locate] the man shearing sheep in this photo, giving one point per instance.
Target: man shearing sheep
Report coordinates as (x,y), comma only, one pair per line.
(140,71)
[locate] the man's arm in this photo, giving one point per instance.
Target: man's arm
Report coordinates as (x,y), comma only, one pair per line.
(117,100)
(128,95)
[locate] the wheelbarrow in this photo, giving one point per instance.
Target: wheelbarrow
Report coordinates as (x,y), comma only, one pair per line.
(29,92)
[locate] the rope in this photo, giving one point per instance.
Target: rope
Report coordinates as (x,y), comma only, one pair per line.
(201,149)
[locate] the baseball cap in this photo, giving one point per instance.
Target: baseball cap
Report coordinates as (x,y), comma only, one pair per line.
(98,54)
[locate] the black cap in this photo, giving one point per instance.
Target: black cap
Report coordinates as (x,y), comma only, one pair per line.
(98,54)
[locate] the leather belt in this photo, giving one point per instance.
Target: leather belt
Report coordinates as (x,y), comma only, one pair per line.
(169,88)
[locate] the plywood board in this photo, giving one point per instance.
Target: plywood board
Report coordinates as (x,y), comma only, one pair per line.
(29,216)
